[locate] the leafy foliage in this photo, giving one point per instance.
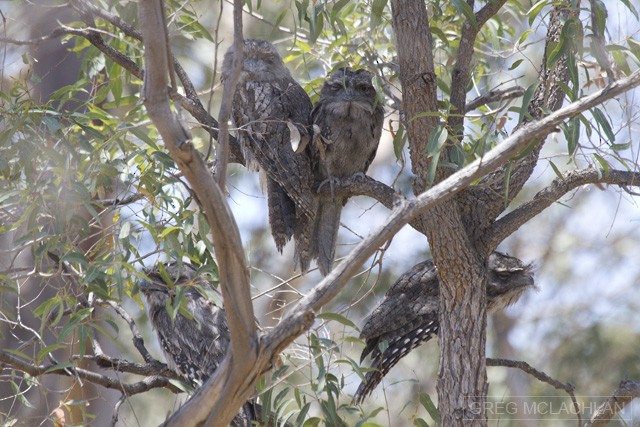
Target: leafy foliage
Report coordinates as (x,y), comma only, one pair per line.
(89,193)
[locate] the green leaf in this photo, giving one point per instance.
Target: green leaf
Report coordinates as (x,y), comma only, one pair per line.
(312,422)
(621,61)
(192,28)
(425,400)
(526,100)
(516,64)
(337,318)
(182,386)
(124,230)
(52,123)
(572,68)
(399,142)
(555,169)
(632,9)
(534,11)
(436,31)
(316,22)
(60,367)
(620,147)
(601,17)
(377,13)
(634,46)
(463,8)
(44,351)
(436,141)
(601,119)
(603,163)
(170,230)
(21,396)
(523,37)
(572,134)
(300,419)
(76,257)
(420,423)
(302,9)
(434,148)
(557,50)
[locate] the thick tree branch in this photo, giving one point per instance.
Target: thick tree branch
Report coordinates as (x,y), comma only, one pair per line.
(154,368)
(621,397)
(240,376)
(328,288)
(509,223)
(229,387)
(359,186)
(485,203)
(146,384)
(462,68)
(417,74)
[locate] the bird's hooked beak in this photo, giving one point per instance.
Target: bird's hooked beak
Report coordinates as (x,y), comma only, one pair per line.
(350,92)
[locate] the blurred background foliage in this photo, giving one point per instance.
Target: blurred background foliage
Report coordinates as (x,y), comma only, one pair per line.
(85,179)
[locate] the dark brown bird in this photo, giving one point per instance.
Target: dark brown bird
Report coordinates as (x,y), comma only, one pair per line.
(349,117)
(408,314)
(193,346)
(272,112)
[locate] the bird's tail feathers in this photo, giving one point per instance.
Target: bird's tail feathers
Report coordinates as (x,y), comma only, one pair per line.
(326,233)
(282,214)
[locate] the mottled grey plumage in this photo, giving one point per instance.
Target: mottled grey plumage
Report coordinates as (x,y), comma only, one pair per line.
(408,314)
(192,347)
(349,117)
(267,103)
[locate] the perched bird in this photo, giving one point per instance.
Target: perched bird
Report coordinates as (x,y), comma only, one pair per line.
(408,314)
(193,346)
(349,117)
(272,113)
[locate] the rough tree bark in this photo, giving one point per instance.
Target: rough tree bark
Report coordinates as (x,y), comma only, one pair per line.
(458,220)
(458,229)
(464,384)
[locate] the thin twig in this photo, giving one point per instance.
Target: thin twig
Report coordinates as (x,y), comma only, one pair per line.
(138,341)
(228,92)
(560,186)
(34,370)
(493,96)
(116,409)
(541,376)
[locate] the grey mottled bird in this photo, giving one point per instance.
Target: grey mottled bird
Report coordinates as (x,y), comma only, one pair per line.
(349,117)
(272,112)
(193,346)
(408,314)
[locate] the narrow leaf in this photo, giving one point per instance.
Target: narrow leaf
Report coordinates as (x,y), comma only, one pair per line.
(338,318)
(377,13)
(601,119)
(526,100)
(425,400)
(555,169)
